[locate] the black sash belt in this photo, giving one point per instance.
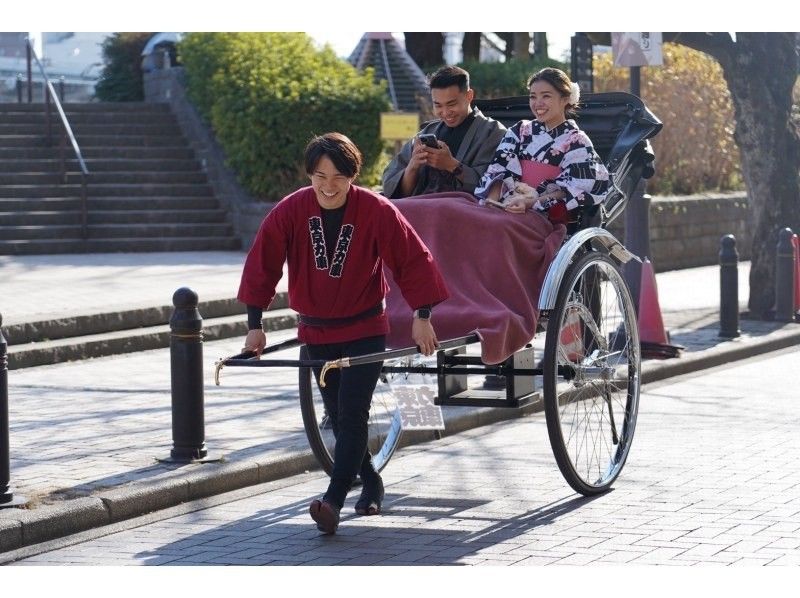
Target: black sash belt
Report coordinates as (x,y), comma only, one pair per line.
(334,322)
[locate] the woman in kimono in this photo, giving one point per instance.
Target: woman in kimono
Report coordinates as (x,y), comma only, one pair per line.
(547,164)
(336,237)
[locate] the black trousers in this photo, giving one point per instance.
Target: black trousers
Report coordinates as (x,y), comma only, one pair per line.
(347,397)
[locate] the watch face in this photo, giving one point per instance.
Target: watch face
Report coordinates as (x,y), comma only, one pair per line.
(423,314)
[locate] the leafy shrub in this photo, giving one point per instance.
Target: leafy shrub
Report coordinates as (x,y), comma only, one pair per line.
(695,151)
(267,94)
(121,79)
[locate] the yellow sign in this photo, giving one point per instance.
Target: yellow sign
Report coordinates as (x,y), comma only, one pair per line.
(399,125)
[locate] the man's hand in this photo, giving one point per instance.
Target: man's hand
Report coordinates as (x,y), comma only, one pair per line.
(424,336)
(255,341)
(440,158)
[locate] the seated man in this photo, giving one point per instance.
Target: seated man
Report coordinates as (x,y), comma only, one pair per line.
(464,145)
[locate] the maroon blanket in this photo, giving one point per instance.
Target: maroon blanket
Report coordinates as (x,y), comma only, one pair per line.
(494,265)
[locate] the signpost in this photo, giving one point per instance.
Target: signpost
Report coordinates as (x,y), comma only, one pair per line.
(635,50)
(399,127)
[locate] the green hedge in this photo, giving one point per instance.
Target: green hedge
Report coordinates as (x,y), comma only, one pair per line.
(121,79)
(267,94)
(504,79)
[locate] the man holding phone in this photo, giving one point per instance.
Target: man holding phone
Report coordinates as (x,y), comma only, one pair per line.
(450,153)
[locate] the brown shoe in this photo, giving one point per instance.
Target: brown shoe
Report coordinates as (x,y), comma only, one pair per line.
(326,515)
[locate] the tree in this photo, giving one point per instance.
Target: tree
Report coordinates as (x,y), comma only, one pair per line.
(471,46)
(121,79)
(427,49)
(760,70)
(540,51)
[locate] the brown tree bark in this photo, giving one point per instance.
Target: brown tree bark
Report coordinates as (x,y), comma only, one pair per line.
(760,70)
(427,49)
(471,46)
(540,50)
(521,47)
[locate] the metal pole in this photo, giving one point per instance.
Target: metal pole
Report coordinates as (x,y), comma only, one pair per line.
(7,498)
(637,219)
(30,74)
(186,364)
(637,238)
(19,88)
(784,277)
(728,288)
(61,88)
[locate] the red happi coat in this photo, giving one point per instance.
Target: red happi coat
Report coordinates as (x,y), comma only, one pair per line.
(373,233)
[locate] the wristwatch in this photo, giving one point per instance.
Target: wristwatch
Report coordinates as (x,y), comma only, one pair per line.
(457,170)
(423,313)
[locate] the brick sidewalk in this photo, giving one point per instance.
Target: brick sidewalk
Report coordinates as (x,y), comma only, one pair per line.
(711,480)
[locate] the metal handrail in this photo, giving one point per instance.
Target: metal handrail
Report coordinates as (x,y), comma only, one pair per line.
(388,72)
(50,92)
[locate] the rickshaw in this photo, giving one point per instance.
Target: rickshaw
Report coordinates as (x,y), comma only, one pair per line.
(590,367)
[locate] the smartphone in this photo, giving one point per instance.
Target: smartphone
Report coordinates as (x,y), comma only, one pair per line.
(429,139)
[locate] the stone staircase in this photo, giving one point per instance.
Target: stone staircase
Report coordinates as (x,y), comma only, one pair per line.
(146,190)
(393,64)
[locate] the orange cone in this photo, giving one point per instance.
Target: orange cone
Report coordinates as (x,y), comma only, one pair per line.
(571,337)
(651,325)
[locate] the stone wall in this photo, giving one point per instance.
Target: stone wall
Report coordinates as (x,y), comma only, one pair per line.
(685,231)
(245,212)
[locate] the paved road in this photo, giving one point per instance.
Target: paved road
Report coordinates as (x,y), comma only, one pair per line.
(712,479)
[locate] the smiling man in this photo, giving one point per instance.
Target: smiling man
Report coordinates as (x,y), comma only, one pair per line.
(336,237)
(464,146)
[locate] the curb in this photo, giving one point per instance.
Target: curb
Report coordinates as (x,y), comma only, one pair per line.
(20,528)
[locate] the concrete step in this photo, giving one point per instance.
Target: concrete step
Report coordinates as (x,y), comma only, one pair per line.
(117,342)
(41,218)
(40,204)
(53,165)
(107,190)
(23,141)
(125,141)
(127,230)
(71,108)
(81,130)
(92,118)
(63,232)
(95,178)
(102,153)
(135,245)
(77,326)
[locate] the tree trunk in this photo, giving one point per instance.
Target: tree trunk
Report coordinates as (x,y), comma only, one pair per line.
(521,47)
(427,49)
(760,70)
(471,46)
(540,51)
(509,39)
(761,76)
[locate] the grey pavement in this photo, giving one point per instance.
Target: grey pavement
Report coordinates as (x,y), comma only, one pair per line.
(85,435)
(711,481)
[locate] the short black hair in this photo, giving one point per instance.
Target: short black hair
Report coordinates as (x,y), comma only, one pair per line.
(447,76)
(344,154)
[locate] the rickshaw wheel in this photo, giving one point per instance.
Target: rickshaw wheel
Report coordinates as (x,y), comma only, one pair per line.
(384,427)
(591,374)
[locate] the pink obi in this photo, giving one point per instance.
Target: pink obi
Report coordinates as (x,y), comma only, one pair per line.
(534,173)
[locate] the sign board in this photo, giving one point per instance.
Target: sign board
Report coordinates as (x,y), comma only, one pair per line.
(636,49)
(416,409)
(399,126)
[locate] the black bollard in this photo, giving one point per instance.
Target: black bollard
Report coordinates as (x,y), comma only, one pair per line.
(7,498)
(728,288)
(784,277)
(186,368)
